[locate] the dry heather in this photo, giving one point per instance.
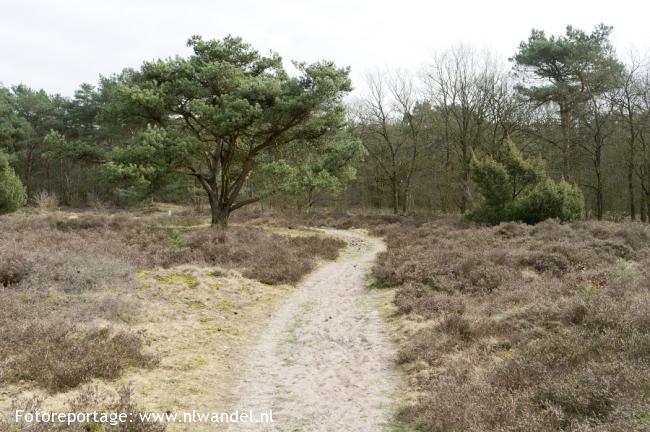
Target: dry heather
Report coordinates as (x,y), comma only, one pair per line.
(523,328)
(63,250)
(70,296)
(332,219)
(87,400)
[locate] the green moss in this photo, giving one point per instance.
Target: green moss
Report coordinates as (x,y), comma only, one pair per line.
(228,306)
(143,275)
(178,278)
(644,418)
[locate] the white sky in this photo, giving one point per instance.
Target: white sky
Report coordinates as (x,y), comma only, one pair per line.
(57,45)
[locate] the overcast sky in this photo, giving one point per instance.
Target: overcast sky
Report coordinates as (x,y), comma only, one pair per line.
(58,44)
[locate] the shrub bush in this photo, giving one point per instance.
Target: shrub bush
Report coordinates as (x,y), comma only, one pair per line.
(12,192)
(14,267)
(516,189)
(550,200)
(59,356)
(539,328)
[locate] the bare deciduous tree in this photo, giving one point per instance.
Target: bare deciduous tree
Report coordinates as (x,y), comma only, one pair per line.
(473,94)
(391,129)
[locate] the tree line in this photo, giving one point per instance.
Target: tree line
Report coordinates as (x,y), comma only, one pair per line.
(231,126)
(568,99)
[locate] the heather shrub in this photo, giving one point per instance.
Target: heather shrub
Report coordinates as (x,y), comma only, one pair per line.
(69,271)
(322,247)
(90,398)
(77,223)
(60,355)
(542,262)
(476,273)
(510,230)
(529,328)
(271,259)
(122,402)
(457,326)
(14,266)
(99,250)
(62,276)
(294,259)
(417,298)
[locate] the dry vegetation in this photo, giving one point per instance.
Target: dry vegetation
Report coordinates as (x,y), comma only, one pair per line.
(333,219)
(90,297)
(523,328)
(508,328)
(89,399)
(515,327)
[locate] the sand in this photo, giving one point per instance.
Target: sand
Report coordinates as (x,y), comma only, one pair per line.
(324,361)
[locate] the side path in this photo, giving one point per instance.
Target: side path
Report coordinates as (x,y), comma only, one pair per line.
(324,362)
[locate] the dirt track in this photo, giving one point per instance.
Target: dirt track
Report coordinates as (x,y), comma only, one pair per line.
(324,362)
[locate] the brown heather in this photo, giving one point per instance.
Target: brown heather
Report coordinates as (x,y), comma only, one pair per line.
(59,275)
(90,398)
(534,328)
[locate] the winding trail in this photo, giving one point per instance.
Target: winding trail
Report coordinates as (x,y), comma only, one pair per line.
(324,361)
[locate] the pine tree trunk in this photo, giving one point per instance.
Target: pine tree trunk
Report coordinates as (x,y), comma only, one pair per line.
(220,214)
(565,125)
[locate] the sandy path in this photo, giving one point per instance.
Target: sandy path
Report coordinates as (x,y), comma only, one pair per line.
(323,363)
